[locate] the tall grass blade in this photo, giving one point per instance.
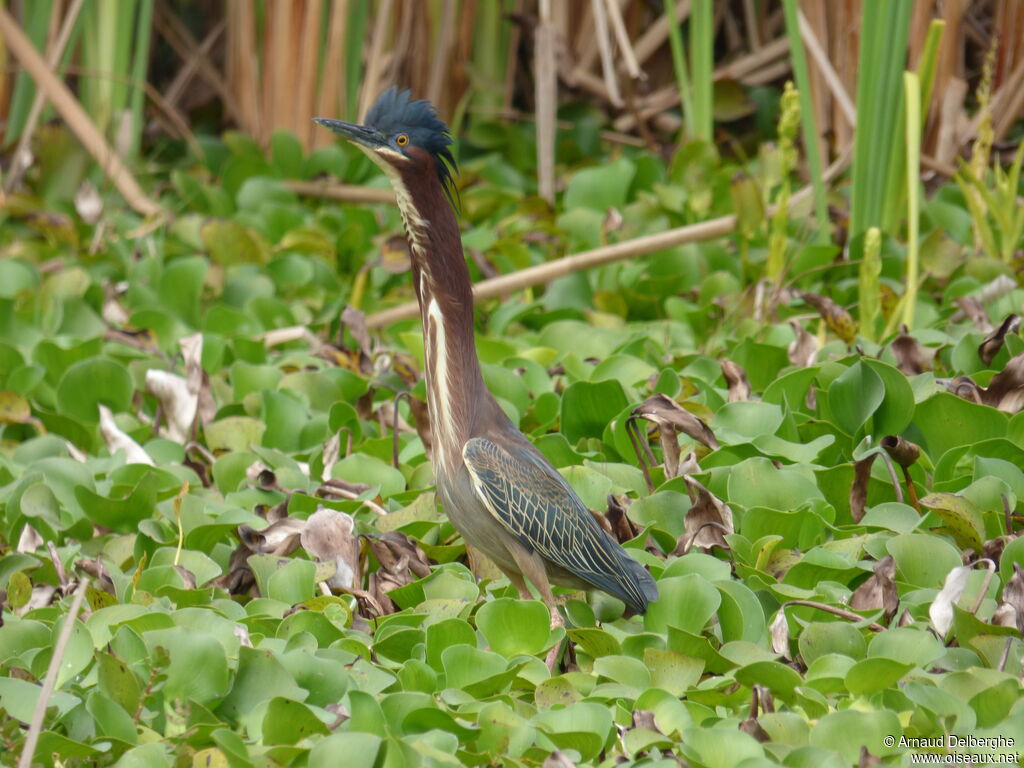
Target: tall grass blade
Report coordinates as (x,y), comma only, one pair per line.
(912,85)
(675,38)
(140,70)
(35,22)
(881,59)
(702,52)
(809,128)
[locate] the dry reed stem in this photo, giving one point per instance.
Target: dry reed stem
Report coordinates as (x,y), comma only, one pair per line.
(439,62)
(546,90)
(625,47)
(604,46)
(375,64)
(640,246)
(73,114)
(35,727)
(657,33)
(331,97)
(19,161)
(348,193)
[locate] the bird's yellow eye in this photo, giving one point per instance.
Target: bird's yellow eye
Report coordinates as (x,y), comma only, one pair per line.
(401,140)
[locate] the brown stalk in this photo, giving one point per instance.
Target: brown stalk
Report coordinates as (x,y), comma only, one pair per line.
(657,33)
(622,38)
(348,193)
(439,61)
(331,97)
(309,51)
(828,73)
(546,88)
(640,246)
(243,63)
(76,118)
(373,79)
(874,626)
(604,46)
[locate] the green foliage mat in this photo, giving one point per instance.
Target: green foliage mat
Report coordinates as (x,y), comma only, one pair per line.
(823,600)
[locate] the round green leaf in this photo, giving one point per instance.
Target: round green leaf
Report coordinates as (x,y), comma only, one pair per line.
(514,627)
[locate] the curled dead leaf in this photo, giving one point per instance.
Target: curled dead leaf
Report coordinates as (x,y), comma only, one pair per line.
(859,488)
(707,522)
(803,350)
(903,452)
(941,610)
(1005,390)
(330,536)
(621,527)
(911,357)
(839,321)
(992,343)
(736,379)
(671,418)
(779,630)
(1012,604)
(878,592)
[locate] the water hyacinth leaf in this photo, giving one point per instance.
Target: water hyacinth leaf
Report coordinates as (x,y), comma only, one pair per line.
(962,518)
(822,638)
(88,383)
(922,560)
(685,602)
(288,722)
(587,408)
(361,750)
(584,727)
(854,396)
(514,627)
(848,731)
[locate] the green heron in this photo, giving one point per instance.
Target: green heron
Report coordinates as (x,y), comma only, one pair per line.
(499,491)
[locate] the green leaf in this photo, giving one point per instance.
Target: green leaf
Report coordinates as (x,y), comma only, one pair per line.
(587,408)
(685,602)
(854,396)
(514,627)
(88,383)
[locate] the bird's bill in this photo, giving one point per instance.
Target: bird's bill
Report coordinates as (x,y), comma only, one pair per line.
(359,134)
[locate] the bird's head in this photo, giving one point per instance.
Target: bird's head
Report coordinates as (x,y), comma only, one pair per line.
(401,134)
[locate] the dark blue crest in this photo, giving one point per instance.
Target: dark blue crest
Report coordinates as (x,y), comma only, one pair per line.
(394,112)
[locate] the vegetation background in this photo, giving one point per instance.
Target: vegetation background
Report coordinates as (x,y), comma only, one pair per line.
(748,272)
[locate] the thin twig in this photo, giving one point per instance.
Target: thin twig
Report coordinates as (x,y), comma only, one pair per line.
(347,193)
(835,611)
(36,726)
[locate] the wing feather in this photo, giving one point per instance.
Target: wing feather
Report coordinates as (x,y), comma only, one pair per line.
(534,503)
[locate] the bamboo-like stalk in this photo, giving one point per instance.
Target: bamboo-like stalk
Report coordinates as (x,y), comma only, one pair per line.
(68,108)
(605,48)
(912,87)
(331,93)
(546,94)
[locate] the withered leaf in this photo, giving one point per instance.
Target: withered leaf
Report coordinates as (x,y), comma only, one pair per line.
(941,609)
(992,343)
(839,321)
(736,379)
(329,536)
(779,630)
(355,321)
(975,312)
(1005,390)
(622,528)
(859,488)
(911,357)
(903,452)
(878,592)
(803,350)
(670,418)
(280,538)
(1013,599)
(707,521)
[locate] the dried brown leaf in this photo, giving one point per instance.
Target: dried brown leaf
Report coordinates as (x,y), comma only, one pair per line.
(330,536)
(803,350)
(992,343)
(670,418)
(1013,598)
(839,321)
(903,452)
(975,312)
(707,521)
(911,357)
(859,488)
(355,321)
(736,379)
(878,592)
(622,528)
(280,538)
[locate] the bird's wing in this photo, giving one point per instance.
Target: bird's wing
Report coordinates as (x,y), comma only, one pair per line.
(537,506)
